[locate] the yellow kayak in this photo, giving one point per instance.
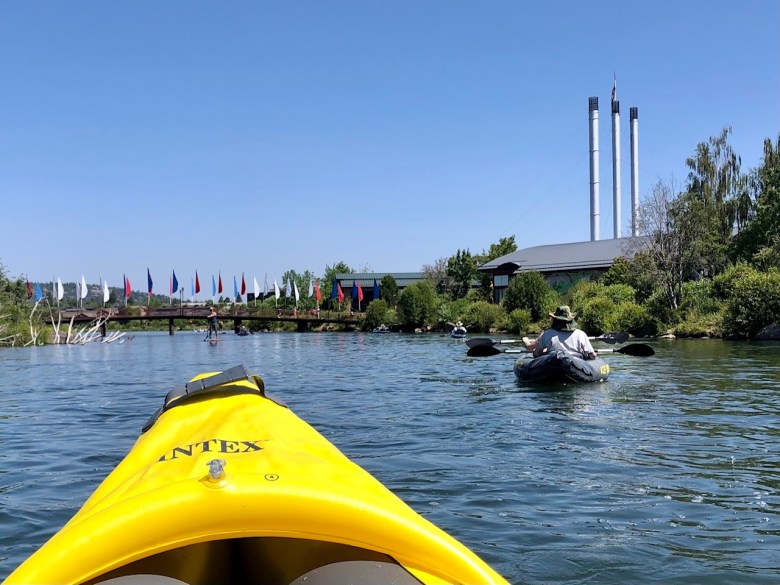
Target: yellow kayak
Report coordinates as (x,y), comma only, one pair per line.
(225,485)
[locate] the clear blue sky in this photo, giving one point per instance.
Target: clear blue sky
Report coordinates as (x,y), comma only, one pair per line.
(259,137)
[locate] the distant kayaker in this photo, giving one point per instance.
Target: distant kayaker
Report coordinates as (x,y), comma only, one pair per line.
(213,323)
(562,334)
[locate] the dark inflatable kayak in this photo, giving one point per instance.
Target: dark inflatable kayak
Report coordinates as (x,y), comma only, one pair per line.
(560,366)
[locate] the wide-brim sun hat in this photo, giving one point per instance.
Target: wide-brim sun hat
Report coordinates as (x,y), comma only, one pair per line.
(563,313)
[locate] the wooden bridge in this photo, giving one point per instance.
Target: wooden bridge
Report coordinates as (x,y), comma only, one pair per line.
(304,320)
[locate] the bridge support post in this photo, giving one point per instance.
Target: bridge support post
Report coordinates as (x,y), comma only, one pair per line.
(303,326)
(103,329)
(170,326)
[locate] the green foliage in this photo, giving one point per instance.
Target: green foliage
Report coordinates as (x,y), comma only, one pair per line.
(483,316)
(519,320)
(724,285)
(461,270)
(448,312)
(597,315)
(754,303)
(530,291)
(388,290)
(634,319)
(417,304)
(698,297)
(376,314)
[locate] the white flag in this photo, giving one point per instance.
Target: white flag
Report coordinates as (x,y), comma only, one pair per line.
(276,289)
(257,288)
(297,296)
(60,290)
(105,292)
(265,285)
(83,287)
(311,288)
(287,288)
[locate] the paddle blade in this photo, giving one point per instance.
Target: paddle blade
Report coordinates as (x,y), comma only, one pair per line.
(636,349)
(475,341)
(613,337)
(483,351)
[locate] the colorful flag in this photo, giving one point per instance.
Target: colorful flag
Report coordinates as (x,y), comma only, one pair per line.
(213,286)
(149,284)
(197,283)
(359,291)
(317,291)
(334,292)
(83,287)
(235,287)
(340,292)
(219,286)
(174,283)
(29,290)
(192,282)
(127,287)
(376,290)
(243,284)
(38,293)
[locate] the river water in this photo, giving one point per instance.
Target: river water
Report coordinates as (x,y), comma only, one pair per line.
(667,473)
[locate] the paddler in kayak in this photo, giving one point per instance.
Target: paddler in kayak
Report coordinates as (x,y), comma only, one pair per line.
(562,334)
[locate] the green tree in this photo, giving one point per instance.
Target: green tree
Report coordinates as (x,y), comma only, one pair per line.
(482,316)
(530,291)
(503,247)
(388,290)
(436,274)
(461,271)
(715,180)
(759,241)
(376,314)
(417,304)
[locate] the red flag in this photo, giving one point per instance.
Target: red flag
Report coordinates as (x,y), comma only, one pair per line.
(127,287)
(29,290)
(197,283)
(219,288)
(317,292)
(360,291)
(340,292)
(243,284)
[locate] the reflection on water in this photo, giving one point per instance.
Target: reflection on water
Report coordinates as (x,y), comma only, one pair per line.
(667,473)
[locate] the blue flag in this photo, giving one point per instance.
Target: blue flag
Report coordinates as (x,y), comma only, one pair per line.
(354,289)
(38,293)
(376,290)
(235,287)
(213,286)
(334,294)
(149,283)
(174,284)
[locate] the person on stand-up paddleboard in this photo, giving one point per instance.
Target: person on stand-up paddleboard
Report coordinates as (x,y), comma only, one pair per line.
(213,324)
(562,335)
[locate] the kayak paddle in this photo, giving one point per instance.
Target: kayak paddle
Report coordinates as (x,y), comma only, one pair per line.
(613,337)
(635,349)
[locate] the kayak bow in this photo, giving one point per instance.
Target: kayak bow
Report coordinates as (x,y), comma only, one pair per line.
(226,485)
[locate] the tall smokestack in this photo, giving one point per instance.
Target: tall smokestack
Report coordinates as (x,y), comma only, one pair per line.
(616,167)
(593,111)
(633,114)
